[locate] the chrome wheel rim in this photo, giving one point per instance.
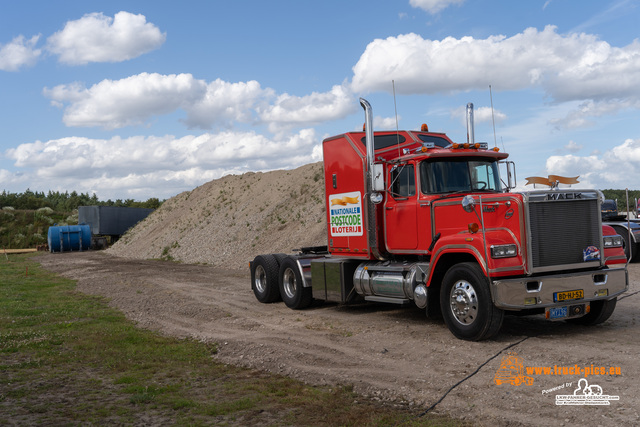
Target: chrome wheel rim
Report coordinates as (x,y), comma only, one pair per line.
(464,302)
(260,280)
(289,283)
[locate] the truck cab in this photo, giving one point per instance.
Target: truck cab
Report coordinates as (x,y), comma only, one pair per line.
(415,218)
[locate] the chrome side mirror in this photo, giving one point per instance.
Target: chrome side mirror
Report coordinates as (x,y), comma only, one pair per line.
(468,203)
(378,177)
(376,197)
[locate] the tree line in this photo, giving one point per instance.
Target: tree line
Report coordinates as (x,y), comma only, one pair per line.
(66,202)
(621,197)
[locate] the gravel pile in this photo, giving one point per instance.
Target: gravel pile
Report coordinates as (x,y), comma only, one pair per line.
(228,221)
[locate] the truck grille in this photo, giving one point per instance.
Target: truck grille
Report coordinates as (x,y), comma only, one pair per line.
(561,230)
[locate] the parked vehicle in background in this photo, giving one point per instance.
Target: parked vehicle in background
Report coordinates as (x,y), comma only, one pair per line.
(609,210)
(628,228)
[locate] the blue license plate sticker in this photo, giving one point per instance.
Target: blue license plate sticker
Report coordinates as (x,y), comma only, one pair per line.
(558,312)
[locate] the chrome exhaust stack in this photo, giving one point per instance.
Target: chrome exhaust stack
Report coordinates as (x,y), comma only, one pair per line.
(368,132)
(372,196)
(471,139)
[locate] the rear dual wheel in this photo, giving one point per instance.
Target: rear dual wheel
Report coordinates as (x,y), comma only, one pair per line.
(264,278)
(294,294)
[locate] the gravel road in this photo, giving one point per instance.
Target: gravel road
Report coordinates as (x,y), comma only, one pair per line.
(385,352)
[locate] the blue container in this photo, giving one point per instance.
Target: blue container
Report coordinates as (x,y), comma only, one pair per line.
(69,238)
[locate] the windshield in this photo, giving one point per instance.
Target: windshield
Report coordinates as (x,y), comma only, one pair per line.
(464,175)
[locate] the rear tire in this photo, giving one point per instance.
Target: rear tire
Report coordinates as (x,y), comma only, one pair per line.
(293,293)
(279,258)
(600,311)
(264,278)
(466,303)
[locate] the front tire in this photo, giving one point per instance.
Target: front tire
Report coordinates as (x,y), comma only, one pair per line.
(264,278)
(466,303)
(293,293)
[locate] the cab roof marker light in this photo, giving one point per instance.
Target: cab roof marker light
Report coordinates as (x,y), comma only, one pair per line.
(425,146)
(422,149)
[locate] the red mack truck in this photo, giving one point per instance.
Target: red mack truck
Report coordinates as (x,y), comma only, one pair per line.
(414,218)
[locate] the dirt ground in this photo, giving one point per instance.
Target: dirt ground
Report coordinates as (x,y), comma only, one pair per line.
(385,352)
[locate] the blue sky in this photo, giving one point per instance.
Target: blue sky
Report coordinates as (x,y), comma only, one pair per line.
(151,98)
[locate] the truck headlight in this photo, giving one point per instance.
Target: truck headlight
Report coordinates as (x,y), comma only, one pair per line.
(504,251)
(612,241)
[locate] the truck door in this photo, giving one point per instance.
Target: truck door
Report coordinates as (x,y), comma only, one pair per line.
(401,209)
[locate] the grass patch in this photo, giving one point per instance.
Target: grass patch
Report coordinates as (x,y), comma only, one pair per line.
(67,358)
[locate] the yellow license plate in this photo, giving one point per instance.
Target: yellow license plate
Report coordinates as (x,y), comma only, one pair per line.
(568,295)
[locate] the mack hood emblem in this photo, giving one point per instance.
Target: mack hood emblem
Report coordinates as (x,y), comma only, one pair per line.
(563,196)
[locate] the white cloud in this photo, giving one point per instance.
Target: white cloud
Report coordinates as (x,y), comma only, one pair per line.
(19,53)
(628,152)
(434,6)
(385,123)
(141,167)
(290,111)
(582,115)
(618,167)
(480,115)
(99,38)
(484,114)
(573,147)
(567,67)
(225,102)
(114,104)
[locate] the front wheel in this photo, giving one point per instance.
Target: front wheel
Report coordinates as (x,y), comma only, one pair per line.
(294,294)
(466,303)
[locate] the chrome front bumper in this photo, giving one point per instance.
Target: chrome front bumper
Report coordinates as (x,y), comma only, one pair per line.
(538,291)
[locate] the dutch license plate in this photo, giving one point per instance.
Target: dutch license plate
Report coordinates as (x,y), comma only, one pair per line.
(558,312)
(568,295)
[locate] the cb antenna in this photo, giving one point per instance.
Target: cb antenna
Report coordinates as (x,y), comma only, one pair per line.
(495,143)
(395,107)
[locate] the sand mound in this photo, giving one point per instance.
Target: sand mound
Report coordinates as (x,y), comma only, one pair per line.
(228,221)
